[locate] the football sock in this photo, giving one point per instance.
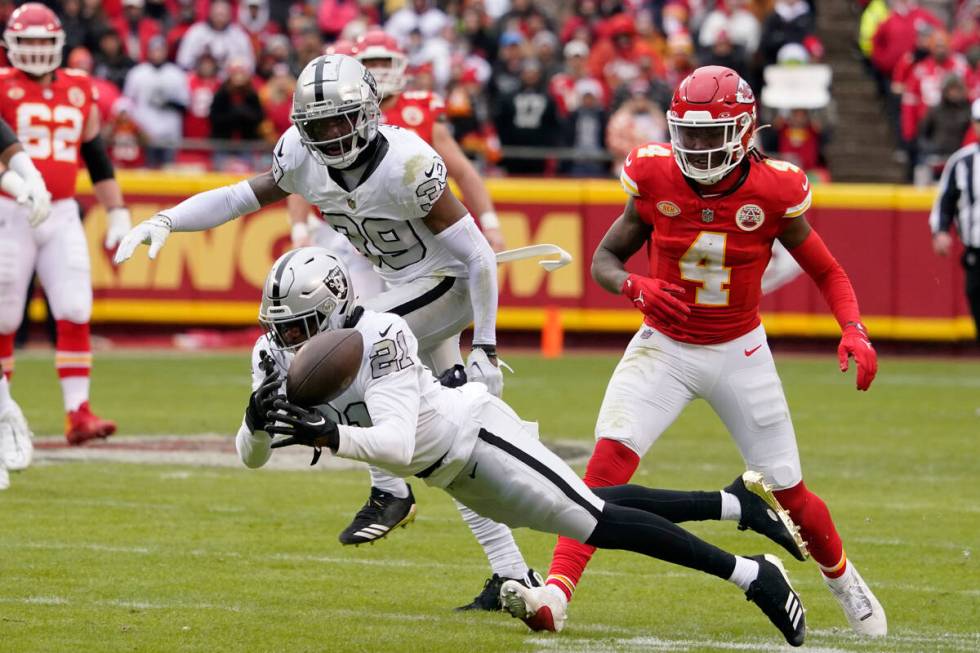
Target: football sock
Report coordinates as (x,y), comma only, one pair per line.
(746,571)
(498,544)
(73,361)
(644,532)
(731,509)
(385,482)
(816,526)
(7,354)
(612,463)
(673,505)
(4,393)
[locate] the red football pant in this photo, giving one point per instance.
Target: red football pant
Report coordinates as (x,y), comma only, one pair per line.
(612,463)
(7,354)
(817,527)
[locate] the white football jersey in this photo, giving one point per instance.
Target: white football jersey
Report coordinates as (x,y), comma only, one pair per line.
(382,216)
(395,414)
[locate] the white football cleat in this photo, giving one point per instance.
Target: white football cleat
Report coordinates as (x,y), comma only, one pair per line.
(16,439)
(862,608)
(541,608)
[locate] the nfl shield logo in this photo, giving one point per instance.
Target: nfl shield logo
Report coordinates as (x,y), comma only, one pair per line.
(351,203)
(707,215)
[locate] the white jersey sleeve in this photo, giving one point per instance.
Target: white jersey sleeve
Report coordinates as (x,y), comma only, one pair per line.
(425,182)
(287,157)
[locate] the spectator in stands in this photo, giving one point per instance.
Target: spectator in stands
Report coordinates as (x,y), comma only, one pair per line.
(469,119)
(585,130)
(81,59)
(159,93)
(506,76)
(202,84)
(333,15)
(135,29)
(896,35)
(545,45)
(185,19)
(734,20)
(527,118)
(419,15)
(637,120)
(966,35)
(277,103)
(616,59)
(942,130)
(790,21)
(236,111)
(476,30)
(923,85)
(219,36)
(800,139)
(111,62)
(276,52)
(306,41)
(724,53)
(680,58)
(76,27)
(125,140)
(253,16)
(562,85)
(585,18)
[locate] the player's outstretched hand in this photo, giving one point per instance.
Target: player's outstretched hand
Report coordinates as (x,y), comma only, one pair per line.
(36,194)
(152,232)
(656,298)
(303,426)
(854,342)
(119,224)
(260,403)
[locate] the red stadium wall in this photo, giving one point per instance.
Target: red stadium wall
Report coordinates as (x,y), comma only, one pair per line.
(879,233)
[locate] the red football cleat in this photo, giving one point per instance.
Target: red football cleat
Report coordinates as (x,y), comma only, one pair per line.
(83,425)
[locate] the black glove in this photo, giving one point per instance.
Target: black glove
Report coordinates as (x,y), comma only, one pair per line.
(454,377)
(308,427)
(261,400)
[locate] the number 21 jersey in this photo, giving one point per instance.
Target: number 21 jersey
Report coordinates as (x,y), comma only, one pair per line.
(382,216)
(715,247)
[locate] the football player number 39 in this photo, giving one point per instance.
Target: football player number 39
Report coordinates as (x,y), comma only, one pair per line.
(704,262)
(42,141)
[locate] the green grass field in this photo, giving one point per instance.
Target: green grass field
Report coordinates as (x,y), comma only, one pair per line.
(116,557)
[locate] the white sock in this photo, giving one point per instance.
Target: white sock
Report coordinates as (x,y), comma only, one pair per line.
(385,482)
(746,571)
(4,393)
(74,389)
(731,509)
(498,544)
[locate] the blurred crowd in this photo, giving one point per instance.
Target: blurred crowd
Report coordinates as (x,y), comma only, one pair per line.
(208,83)
(925,59)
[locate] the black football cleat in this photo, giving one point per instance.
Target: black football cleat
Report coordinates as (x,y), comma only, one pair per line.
(762,513)
(382,514)
(489,597)
(776,598)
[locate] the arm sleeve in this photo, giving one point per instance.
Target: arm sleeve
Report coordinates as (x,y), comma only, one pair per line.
(282,160)
(464,241)
(212,208)
(253,448)
(944,206)
(817,261)
(393,403)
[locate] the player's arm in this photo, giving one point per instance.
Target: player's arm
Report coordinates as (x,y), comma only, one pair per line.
(470,184)
(21,180)
(944,210)
(104,185)
(810,251)
(298,210)
(253,440)
(456,229)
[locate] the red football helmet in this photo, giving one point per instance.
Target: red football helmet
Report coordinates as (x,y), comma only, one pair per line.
(381,54)
(712,122)
(34,39)
(342,46)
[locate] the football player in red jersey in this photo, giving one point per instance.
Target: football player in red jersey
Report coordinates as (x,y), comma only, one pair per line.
(54,114)
(710,207)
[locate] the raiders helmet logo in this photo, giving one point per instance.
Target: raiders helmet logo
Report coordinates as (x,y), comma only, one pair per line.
(749,217)
(668,208)
(369,79)
(336,283)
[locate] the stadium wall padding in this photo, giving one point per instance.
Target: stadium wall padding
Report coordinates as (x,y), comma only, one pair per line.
(879,234)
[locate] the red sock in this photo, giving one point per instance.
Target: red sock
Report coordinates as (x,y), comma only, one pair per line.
(7,354)
(612,463)
(812,516)
(73,361)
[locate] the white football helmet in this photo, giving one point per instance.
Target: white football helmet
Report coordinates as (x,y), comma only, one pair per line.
(34,39)
(308,290)
(335,109)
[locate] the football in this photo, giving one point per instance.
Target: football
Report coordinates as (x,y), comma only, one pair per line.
(324,367)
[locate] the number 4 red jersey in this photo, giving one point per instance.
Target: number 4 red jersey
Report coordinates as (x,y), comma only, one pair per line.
(49,121)
(715,247)
(417,111)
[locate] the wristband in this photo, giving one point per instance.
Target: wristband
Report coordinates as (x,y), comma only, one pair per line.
(489,350)
(299,231)
(489,220)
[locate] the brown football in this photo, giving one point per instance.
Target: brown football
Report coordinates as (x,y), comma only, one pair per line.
(324,367)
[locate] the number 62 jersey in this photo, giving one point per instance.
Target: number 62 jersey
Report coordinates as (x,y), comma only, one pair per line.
(382,212)
(716,247)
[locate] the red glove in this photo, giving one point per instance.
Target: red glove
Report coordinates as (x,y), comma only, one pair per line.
(656,298)
(854,342)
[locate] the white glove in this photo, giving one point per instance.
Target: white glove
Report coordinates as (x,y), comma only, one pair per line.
(481,370)
(29,190)
(152,232)
(119,225)
(16,444)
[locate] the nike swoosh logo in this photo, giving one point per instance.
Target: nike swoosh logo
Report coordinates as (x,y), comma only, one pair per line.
(473,471)
(385,332)
(628,161)
(806,183)
(749,352)
(279,153)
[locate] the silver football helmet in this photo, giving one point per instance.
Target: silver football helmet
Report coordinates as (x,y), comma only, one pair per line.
(335,109)
(308,290)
